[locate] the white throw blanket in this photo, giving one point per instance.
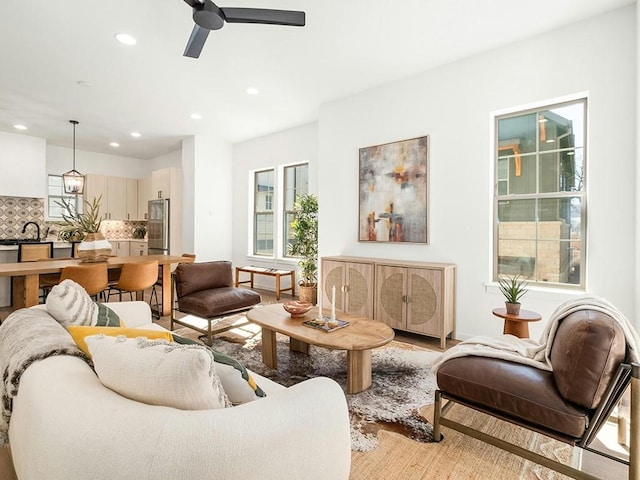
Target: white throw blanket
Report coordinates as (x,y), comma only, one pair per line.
(537,354)
(26,336)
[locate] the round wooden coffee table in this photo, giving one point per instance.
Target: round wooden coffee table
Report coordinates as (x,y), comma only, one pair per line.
(517,325)
(358,339)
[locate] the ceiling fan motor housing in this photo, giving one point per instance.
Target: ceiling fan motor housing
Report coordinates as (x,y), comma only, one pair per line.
(208,15)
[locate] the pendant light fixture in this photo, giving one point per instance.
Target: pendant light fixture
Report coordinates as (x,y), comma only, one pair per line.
(73,180)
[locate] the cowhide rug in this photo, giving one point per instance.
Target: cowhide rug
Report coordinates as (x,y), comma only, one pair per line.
(402,383)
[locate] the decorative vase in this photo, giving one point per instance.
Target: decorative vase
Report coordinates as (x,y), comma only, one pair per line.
(308,293)
(512,308)
(94,248)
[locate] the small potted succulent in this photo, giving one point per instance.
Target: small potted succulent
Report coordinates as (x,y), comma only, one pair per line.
(513,289)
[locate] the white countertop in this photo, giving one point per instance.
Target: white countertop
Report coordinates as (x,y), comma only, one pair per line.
(60,244)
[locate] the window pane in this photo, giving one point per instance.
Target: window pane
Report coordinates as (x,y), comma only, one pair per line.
(264,191)
(519,174)
(517,135)
(264,234)
(553,261)
(516,211)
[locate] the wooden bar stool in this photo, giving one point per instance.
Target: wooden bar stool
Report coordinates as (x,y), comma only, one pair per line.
(93,278)
(135,277)
(156,313)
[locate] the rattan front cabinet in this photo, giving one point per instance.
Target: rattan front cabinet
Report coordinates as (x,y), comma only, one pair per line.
(416,297)
(353,279)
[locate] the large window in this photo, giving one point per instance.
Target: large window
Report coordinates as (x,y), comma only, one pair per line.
(274,194)
(56,196)
(296,182)
(540,211)
(263,212)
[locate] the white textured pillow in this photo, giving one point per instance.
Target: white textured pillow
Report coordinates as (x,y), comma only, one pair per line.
(70,304)
(157,372)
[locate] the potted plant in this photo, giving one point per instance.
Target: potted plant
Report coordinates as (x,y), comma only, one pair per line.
(93,247)
(513,288)
(304,243)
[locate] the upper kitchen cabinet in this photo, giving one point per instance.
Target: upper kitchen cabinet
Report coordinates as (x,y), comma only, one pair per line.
(144,195)
(20,154)
(164,181)
(119,196)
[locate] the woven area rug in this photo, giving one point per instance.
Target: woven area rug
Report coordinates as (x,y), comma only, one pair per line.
(402,383)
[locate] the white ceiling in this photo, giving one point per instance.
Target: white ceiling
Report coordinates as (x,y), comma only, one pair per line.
(347,46)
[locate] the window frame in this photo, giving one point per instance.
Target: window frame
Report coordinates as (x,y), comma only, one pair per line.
(260,213)
(538,196)
(285,211)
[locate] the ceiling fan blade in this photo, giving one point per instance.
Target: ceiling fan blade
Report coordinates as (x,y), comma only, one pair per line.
(193,3)
(262,15)
(196,42)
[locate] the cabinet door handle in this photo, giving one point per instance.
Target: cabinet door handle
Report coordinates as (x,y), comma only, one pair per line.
(345,288)
(405,299)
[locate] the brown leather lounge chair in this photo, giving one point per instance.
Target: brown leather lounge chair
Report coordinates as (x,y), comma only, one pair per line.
(570,403)
(206,290)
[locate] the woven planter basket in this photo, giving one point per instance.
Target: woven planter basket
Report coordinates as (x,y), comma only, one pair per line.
(308,294)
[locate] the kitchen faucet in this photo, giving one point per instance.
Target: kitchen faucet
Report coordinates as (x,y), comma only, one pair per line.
(24,229)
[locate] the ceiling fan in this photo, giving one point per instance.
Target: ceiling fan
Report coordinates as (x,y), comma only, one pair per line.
(208,16)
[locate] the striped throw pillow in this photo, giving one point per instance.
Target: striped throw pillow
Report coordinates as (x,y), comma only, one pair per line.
(70,304)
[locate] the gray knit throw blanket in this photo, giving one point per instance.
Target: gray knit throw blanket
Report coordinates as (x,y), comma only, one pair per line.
(26,336)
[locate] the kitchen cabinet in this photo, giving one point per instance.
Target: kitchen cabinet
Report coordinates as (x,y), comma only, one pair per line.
(131,203)
(120,248)
(144,195)
(119,196)
(353,279)
(137,248)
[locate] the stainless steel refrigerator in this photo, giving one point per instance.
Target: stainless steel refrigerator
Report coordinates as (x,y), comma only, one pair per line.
(158,227)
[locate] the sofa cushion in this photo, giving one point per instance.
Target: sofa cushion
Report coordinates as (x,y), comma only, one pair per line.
(587,349)
(218,301)
(194,277)
(157,372)
(70,304)
(238,383)
(79,333)
(521,392)
(107,317)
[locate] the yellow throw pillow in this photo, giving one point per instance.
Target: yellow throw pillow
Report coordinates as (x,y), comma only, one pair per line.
(78,333)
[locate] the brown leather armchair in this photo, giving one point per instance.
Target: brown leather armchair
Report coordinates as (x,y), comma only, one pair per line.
(590,373)
(206,291)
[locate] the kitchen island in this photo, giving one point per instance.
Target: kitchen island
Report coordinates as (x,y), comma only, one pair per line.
(27,275)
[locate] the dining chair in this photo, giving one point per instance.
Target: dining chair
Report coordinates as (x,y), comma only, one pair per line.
(35,252)
(135,277)
(93,278)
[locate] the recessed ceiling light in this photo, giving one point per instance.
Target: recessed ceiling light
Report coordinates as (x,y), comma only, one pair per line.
(252,91)
(135,134)
(20,127)
(126,39)
(114,144)
(83,83)
(196,116)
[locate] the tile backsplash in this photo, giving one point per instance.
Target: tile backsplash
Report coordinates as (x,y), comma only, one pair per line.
(16,211)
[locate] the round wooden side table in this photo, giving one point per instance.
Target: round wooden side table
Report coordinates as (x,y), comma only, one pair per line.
(517,325)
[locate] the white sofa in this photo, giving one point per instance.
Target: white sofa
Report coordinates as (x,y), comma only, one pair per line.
(66,425)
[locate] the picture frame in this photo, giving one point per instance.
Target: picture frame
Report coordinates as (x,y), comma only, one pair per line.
(394,192)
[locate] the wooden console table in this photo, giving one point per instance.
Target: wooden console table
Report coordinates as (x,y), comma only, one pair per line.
(271,272)
(517,324)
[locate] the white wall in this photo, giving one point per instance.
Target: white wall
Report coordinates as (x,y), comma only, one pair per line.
(298,144)
(168,160)
(452,105)
(211,195)
(60,160)
(22,165)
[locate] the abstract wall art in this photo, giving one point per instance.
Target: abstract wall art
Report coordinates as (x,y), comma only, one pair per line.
(394,192)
